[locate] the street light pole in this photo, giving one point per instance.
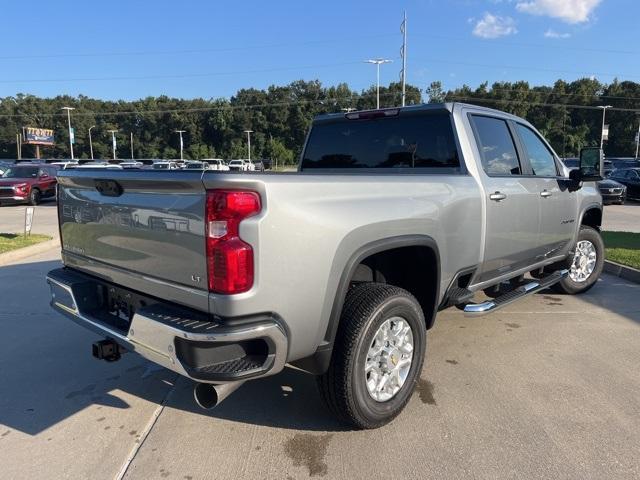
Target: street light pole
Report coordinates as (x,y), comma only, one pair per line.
(604,111)
(181,144)
(637,137)
(131,145)
(248,132)
(90,142)
(377,62)
(68,109)
(113,142)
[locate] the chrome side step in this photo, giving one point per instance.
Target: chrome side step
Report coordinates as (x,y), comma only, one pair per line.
(479,309)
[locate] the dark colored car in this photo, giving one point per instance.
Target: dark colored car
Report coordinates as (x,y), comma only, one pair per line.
(630,178)
(27,184)
(612,191)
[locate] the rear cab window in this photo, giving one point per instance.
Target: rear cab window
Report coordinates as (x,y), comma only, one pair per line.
(406,142)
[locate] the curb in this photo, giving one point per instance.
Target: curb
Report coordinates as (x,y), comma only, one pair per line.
(622,271)
(26,252)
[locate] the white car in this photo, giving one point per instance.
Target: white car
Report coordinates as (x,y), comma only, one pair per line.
(64,165)
(131,164)
(196,166)
(165,166)
(217,164)
(107,166)
(242,165)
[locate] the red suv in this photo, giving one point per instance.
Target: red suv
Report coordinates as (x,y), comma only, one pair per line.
(27,183)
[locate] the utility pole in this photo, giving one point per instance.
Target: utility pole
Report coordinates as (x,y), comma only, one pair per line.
(637,138)
(113,142)
(604,111)
(403,54)
(377,62)
(90,142)
(71,139)
(131,145)
(181,143)
(248,132)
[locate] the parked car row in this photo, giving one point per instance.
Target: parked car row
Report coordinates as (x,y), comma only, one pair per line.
(622,179)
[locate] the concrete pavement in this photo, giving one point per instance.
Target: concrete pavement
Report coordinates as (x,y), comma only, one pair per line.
(622,218)
(45,218)
(547,388)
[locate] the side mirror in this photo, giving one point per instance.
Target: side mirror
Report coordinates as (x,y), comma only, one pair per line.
(591,164)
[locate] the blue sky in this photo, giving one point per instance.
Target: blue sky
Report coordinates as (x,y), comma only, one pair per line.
(132,49)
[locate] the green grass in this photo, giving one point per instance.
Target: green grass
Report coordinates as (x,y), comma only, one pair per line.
(622,247)
(13,241)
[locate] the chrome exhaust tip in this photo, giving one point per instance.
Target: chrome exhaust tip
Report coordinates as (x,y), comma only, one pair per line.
(209,396)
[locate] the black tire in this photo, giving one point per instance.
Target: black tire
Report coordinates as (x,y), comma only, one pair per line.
(343,387)
(35,196)
(571,287)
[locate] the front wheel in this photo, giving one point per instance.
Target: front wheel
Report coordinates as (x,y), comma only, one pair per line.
(34,197)
(586,265)
(377,356)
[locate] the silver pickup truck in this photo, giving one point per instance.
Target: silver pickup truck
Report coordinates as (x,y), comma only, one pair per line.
(338,269)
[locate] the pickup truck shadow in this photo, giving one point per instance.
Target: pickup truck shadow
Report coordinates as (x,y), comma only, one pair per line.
(48,375)
(288,400)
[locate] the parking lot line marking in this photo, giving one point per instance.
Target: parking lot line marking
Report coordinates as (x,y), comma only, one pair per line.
(145,433)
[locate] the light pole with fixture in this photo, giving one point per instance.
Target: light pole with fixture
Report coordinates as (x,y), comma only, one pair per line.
(71,139)
(604,111)
(377,62)
(113,142)
(248,132)
(90,142)
(181,144)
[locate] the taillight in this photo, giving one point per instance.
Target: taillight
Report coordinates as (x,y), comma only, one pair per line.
(229,259)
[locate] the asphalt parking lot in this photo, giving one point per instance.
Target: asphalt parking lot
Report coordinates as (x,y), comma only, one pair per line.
(547,388)
(622,218)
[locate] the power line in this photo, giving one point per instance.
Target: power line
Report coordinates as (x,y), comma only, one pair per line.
(193,51)
(536,104)
(554,46)
(178,75)
(529,68)
(320,101)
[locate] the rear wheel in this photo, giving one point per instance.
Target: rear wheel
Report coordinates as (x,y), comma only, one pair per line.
(377,357)
(35,196)
(586,265)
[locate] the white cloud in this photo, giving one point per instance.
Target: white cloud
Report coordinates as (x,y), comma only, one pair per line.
(494,26)
(550,33)
(570,11)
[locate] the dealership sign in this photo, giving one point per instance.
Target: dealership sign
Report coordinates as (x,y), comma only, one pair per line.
(38,136)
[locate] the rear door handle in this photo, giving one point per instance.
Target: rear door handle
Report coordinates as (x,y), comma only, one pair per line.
(545,194)
(497,196)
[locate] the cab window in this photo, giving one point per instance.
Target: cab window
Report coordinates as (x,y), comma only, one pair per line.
(497,148)
(540,157)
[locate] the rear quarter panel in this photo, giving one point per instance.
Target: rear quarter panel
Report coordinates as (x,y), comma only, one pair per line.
(311,224)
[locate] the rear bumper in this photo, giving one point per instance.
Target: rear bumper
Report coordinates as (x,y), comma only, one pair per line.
(191,343)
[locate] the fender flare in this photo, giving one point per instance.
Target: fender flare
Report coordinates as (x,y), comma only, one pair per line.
(319,361)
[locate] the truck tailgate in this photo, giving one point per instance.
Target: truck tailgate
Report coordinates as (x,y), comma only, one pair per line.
(149,223)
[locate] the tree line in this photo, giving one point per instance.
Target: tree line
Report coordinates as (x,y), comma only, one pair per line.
(280,116)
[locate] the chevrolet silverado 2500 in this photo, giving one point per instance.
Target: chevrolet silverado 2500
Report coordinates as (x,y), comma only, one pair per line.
(339,268)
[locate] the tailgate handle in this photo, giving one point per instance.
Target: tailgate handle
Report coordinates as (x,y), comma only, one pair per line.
(109,188)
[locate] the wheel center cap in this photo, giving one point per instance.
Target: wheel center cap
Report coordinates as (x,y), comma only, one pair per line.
(583,262)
